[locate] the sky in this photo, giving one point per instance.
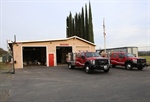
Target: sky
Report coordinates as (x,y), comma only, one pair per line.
(127,22)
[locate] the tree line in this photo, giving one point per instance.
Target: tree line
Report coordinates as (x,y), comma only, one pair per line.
(144,53)
(2,52)
(81,24)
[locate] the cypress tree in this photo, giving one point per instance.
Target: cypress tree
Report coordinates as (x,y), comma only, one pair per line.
(73,30)
(90,30)
(79,24)
(67,25)
(76,26)
(70,25)
(82,24)
(86,23)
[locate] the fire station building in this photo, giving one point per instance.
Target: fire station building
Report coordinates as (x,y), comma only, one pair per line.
(50,52)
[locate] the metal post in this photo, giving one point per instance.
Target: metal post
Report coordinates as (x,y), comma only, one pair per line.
(13,62)
(104,35)
(13,66)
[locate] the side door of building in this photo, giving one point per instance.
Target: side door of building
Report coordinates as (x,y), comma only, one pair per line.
(51,59)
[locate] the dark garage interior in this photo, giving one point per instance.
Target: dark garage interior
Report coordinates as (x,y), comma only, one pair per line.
(34,56)
(61,54)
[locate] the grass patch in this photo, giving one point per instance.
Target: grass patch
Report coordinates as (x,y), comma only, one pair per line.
(147,59)
(5,66)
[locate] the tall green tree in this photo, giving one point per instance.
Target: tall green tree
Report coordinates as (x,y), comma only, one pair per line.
(86,23)
(73,28)
(82,24)
(76,25)
(67,25)
(79,22)
(70,25)
(90,30)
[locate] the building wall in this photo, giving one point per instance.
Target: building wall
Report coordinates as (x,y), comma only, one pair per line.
(135,52)
(50,49)
(129,50)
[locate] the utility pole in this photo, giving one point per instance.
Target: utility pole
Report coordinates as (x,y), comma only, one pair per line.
(104,35)
(13,66)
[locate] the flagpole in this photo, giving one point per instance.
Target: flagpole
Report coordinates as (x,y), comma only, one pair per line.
(104,35)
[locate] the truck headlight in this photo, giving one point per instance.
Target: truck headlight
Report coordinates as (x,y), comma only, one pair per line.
(134,60)
(93,62)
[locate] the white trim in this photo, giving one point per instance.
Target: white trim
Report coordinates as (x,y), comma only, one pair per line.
(21,56)
(34,46)
(47,57)
(55,40)
(79,63)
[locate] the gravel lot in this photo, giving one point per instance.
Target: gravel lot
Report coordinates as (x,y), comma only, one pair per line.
(60,84)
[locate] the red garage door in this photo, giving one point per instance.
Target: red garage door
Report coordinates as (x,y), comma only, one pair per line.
(51,59)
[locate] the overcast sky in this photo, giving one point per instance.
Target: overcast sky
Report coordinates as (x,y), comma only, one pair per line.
(127,21)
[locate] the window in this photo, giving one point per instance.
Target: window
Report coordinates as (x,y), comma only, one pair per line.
(78,55)
(82,54)
(129,55)
(92,54)
(120,55)
(115,55)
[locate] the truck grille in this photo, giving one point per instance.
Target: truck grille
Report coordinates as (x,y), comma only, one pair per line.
(141,61)
(101,62)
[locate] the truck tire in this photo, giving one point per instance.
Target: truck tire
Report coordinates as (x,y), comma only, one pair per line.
(113,66)
(140,68)
(106,70)
(128,66)
(88,70)
(70,66)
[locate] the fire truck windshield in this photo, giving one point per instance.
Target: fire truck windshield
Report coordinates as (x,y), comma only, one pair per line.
(129,55)
(92,54)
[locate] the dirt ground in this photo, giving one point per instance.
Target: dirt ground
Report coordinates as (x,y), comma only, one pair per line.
(5,81)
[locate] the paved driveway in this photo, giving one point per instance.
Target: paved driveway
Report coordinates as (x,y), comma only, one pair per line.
(60,84)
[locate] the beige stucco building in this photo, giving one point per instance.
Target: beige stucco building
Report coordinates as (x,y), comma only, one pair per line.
(47,52)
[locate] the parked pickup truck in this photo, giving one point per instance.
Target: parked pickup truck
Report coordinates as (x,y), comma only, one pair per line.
(128,60)
(89,61)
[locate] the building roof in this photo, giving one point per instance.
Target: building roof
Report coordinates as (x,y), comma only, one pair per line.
(52,40)
(118,48)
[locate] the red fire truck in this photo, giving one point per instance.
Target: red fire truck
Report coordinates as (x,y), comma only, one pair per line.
(89,61)
(128,60)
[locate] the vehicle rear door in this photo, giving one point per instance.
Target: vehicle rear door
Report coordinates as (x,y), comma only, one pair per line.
(78,56)
(121,59)
(113,58)
(82,59)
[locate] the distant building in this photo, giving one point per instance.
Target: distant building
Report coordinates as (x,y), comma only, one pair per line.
(0,59)
(132,50)
(6,58)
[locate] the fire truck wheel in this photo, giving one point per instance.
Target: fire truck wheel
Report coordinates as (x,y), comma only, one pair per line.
(70,66)
(88,69)
(106,71)
(113,66)
(140,68)
(128,66)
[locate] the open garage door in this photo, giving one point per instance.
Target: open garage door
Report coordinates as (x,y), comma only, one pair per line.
(34,56)
(61,54)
